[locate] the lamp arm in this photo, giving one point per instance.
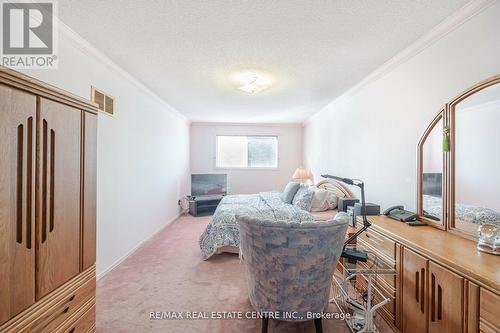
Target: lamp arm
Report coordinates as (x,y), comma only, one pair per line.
(361,185)
(366,223)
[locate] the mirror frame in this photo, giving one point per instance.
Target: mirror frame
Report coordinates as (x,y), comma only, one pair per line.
(448,115)
(450,110)
(420,172)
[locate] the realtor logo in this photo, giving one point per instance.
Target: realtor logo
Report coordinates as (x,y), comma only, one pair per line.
(28,34)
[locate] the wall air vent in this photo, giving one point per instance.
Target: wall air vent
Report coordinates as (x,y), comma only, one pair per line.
(103,100)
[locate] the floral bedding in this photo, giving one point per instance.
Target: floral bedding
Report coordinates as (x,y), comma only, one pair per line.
(223,229)
(464,213)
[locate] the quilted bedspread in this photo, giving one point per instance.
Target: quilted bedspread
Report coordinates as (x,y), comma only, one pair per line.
(463,213)
(223,229)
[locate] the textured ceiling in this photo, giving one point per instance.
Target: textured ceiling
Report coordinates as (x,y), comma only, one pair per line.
(185,51)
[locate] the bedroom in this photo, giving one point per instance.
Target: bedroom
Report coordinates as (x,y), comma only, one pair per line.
(261,95)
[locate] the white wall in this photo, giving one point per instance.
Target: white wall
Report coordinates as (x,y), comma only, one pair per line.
(244,181)
(477,159)
(143,152)
(373,132)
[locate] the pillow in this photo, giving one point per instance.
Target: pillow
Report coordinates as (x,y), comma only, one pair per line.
(323,200)
(303,198)
(289,192)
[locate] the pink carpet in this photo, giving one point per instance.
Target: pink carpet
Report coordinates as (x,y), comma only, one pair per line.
(167,274)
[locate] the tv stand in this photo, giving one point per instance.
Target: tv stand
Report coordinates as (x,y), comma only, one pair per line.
(204,205)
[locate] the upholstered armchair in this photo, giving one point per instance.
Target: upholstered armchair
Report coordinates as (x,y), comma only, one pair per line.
(289,266)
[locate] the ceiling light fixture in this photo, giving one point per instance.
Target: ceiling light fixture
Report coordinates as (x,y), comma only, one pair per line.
(252,82)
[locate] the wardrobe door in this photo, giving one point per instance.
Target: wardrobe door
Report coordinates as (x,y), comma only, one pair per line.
(414,292)
(58,185)
(446,300)
(17,213)
(89,189)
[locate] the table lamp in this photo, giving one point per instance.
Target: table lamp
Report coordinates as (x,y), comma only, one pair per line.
(354,254)
(302,175)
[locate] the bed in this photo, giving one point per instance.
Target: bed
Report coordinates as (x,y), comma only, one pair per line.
(463,213)
(222,232)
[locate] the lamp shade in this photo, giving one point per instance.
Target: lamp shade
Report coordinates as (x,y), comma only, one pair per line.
(301,173)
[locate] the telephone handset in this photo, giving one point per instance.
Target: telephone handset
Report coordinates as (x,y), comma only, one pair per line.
(399,213)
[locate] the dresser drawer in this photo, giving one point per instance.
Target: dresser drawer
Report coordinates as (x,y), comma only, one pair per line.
(55,308)
(489,321)
(388,281)
(379,244)
(81,322)
(387,311)
(65,309)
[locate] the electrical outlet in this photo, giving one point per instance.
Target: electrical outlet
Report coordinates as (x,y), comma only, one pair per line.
(178,202)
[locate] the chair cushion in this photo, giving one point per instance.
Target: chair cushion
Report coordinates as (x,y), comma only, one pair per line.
(289,266)
(289,192)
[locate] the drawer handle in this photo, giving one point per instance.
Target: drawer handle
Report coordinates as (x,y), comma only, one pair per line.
(433,298)
(417,286)
(422,290)
(376,239)
(19,188)
(44,180)
(56,315)
(440,305)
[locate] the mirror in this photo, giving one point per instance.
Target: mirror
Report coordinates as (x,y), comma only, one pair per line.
(475,123)
(430,205)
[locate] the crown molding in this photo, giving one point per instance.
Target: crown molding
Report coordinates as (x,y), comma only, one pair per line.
(91,50)
(447,26)
(216,124)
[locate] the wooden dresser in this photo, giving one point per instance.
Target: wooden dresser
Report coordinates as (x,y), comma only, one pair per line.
(48,141)
(443,284)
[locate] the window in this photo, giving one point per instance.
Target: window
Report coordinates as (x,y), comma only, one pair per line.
(246,151)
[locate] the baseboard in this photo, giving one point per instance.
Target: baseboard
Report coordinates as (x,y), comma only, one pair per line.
(135,248)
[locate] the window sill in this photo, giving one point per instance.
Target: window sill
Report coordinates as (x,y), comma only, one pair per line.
(247,168)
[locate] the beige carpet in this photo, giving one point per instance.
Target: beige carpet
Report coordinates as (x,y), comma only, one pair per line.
(167,275)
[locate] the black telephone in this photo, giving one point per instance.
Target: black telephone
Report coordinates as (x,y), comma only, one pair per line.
(399,213)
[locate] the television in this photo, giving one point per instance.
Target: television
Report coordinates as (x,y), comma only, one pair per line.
(208,184)
(432,184)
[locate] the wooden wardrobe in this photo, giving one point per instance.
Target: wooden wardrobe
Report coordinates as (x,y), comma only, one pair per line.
(47,207)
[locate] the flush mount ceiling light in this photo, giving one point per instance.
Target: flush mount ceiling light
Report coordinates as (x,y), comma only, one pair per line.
(252,82)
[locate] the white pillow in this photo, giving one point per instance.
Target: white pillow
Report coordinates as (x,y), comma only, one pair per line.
(323,200)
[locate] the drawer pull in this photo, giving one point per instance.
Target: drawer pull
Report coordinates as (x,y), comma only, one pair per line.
(440,305)
(433,298)
(29,177)
(375,239)
(422,290)
(417,286)
(19,188)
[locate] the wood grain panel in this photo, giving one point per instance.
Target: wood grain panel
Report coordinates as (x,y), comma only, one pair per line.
(58,185)
(36,87)
(89,190)
(414,287)
(49,313)
(82,322)
(472,316)
(489,311)
(17,259)
(451,251)
(384,245)
(445,299)
(389,279)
